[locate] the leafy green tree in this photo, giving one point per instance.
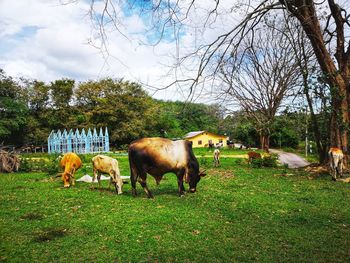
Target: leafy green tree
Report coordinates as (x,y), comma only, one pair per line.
(13,110)
(62,114)
(37,97)
(178,118)
(122,106)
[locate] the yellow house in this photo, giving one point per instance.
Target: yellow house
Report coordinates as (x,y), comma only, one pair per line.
(204,139)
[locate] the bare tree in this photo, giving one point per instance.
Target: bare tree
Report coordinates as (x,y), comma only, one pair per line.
(261,77)
(325,23)
(307,64)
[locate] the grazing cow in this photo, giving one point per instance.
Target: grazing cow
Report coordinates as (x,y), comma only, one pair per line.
(70,163)
(106,165)
(158,156)
(216,157)
(336,157)
(253,155)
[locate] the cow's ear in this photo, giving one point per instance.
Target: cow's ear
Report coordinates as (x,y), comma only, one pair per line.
(202,173)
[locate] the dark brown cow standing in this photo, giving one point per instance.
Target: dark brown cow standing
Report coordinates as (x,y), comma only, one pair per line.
(157,156)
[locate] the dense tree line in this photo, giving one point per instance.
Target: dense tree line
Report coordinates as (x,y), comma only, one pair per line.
(30,109)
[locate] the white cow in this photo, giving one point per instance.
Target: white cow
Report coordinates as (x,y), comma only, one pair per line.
(216,157)
(336,157)
(106,165)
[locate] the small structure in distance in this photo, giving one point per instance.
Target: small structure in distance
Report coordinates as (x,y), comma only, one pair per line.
(78,142)
(206,139)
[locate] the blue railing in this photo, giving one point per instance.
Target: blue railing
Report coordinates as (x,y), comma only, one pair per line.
(78,142)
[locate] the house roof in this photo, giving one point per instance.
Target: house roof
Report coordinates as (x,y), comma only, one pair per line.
(195,133)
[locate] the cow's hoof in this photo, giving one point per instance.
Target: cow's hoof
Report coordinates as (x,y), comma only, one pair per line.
(334,179)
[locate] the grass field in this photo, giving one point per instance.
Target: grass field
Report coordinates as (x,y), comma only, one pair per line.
(239,214)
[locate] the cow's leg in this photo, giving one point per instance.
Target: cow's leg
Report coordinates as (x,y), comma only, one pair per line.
(99,180)
(340,168)
(334,173)
(94,172)
(133,180)
(142,180)
(72,179)
(180,182)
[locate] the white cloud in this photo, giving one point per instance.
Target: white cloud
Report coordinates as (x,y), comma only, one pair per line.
(46,40)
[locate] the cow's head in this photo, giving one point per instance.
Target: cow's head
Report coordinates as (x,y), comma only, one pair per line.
(65,178)
(193,177)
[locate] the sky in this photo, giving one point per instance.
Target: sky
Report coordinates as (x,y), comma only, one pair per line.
(48,40)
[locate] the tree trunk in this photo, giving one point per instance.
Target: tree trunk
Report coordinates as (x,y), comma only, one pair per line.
(337,78)
(321,148)
(264,142)
(340,119)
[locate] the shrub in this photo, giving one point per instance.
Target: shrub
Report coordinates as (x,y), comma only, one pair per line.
(270,160)
(257,163)
(26,165)
(265,161)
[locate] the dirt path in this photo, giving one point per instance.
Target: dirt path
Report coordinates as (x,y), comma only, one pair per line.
(293,160)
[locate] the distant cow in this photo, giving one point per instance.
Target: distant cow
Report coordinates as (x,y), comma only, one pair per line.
(70,164)
(336,157)
(106,165)
(158,156)
(252,156)
(216,157)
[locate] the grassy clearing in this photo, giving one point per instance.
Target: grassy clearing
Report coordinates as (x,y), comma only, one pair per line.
(238,214)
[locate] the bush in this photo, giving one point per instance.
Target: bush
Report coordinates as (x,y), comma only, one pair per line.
(26,165)
(265,161)
(257,163)
(270,160)
(49,164)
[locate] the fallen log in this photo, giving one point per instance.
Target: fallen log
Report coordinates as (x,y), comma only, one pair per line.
(9,162)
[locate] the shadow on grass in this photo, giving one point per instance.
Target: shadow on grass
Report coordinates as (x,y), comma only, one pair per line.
(50,234)
(32,216)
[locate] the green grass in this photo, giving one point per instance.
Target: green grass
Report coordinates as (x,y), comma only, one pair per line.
(224,151)
(239,214)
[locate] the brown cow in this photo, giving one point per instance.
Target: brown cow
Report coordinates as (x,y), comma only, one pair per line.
(252,156)
(70,163)
(107,165)
(158,156)
(336,157)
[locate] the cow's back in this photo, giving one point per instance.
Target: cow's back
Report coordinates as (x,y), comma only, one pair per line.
(105,163)
(162,154)
(70,160)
